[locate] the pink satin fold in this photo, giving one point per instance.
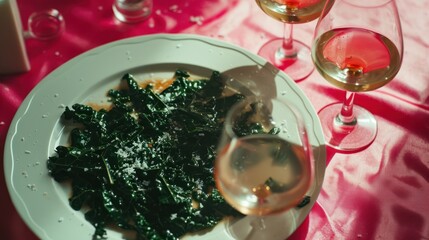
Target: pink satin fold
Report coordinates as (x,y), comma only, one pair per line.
(381,192)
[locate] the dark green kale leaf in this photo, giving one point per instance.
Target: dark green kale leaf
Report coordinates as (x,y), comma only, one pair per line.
(147,163)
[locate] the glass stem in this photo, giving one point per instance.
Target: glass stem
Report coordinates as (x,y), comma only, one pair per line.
(287,50)
(258,225)
(346,115)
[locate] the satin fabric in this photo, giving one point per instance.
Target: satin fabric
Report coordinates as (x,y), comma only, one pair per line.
(380,192)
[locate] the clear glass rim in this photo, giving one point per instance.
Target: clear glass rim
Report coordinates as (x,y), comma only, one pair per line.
(50,14)
(297,115)
(228,119)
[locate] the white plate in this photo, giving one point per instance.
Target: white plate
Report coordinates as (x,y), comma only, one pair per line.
(36,129)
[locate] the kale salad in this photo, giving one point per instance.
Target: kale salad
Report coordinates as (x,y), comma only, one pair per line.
(146,164)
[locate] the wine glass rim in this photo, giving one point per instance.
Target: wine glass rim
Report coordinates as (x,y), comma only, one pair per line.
(228,126)
(52,15)
(227,122)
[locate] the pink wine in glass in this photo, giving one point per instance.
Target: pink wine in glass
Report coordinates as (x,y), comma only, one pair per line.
(292,11)
(356,59)
(262,174)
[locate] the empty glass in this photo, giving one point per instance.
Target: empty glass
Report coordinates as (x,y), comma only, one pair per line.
(45,25)
(132,11)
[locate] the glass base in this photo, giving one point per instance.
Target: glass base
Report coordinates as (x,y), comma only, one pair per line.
(273,226)
(298,66)
(347,137)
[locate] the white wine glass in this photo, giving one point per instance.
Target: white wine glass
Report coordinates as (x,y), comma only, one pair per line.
(358,47)
(265,162)
(288,54)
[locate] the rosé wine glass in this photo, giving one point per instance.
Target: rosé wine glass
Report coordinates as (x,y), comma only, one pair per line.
(265,161)
(286,53)
(358,47)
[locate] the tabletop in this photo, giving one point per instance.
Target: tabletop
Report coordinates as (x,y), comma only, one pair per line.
(380,192)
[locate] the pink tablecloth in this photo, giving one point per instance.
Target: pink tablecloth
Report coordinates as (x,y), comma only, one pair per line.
(381,192)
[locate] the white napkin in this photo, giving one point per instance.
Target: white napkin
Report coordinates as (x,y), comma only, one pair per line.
(13,57)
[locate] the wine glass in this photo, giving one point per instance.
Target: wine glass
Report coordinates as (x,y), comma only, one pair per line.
(45,25)
(264,162)
(358,47)
(288,54)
